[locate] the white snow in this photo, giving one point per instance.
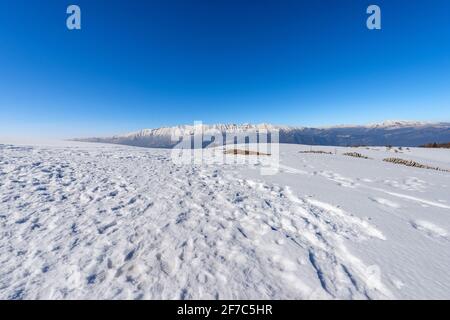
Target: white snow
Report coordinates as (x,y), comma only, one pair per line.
(101,221)
(211,129)
(186,130)
(429,227)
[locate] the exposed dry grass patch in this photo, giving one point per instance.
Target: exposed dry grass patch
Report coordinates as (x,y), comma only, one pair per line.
(355,155)
(411,163)
(318,151)
(245,152)
(437,145)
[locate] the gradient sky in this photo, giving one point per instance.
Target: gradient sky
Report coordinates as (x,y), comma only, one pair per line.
(138,64)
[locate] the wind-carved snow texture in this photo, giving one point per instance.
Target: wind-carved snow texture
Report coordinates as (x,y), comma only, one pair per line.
(111,222)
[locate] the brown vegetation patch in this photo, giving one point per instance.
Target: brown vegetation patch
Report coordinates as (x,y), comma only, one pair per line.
(411,163)
(437,145)
(245,152)
(318,151)
(355,154)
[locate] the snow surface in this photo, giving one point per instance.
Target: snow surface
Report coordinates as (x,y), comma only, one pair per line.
(100,221)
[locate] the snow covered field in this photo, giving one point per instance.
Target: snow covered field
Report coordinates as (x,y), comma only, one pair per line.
(98,221)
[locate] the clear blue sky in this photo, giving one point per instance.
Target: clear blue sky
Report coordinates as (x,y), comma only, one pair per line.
(138,64)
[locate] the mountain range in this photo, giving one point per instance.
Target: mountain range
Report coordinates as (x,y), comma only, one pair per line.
(395,133)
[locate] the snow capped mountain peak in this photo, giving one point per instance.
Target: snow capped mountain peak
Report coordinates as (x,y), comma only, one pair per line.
(385,124)
(398,123)
(391,132)
(185,130)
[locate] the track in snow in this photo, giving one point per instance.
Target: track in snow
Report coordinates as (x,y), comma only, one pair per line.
(126,223)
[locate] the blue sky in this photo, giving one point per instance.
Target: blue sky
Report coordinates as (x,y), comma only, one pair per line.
(138,64)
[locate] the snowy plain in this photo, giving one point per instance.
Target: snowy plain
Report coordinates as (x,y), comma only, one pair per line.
(97,221)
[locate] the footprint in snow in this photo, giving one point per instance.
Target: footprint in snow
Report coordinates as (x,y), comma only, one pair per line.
(385,202)
(429,228)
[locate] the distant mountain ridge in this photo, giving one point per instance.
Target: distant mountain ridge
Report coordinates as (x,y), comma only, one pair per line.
(396,133)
